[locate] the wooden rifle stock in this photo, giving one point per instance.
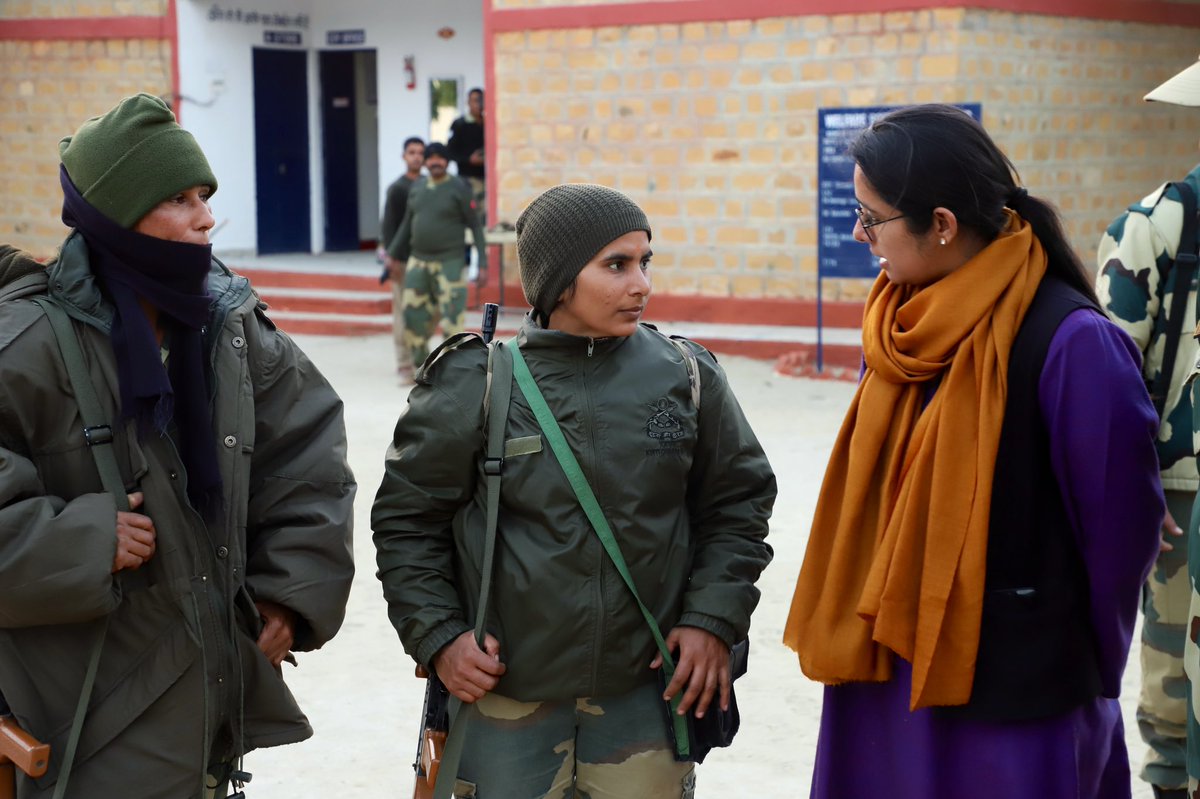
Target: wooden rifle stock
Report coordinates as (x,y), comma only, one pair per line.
(431,743)
(19,749)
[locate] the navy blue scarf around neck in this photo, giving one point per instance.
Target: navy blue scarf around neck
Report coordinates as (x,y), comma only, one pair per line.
(172,276)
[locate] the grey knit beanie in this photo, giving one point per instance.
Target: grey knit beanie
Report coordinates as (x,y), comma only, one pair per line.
(563,229)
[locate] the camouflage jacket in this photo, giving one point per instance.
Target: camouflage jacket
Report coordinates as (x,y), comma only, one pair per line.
(1134,256)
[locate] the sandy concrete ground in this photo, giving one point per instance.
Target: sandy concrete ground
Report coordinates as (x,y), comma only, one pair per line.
(363,700)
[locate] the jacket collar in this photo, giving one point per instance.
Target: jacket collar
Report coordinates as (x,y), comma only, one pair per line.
(532,336)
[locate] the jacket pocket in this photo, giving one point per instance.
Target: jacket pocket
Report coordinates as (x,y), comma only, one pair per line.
(137,668)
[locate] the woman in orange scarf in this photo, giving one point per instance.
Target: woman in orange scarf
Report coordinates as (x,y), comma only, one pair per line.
(991,506)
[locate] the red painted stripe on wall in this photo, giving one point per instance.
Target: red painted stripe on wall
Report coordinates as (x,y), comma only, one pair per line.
(172,25)
(674,12)
(88,28)
(489,107)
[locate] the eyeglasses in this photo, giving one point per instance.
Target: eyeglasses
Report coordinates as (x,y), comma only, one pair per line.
(868,222)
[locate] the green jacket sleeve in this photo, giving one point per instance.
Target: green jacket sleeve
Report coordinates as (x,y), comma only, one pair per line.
(429,474)
(401,244)
(301,501)
(55,556)
(393,211)
(731,492)
(471,220)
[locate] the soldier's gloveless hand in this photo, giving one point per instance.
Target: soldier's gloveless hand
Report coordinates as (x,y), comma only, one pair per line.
(467,671)
(702,665)
(135,536)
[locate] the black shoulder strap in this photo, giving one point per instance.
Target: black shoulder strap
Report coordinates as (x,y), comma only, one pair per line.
(1181,273)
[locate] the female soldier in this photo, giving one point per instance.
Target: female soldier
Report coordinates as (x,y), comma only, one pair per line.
(565,698)
(991,506)
(230,543)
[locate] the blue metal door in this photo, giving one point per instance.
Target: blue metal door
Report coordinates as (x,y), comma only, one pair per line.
(281,151)
(339,144)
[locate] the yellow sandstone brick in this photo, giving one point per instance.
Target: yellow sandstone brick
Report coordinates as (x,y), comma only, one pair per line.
(747,286)
(771,27)
(760,50)
(719,53)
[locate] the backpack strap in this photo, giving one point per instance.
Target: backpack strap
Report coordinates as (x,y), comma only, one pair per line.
(98,434)
(689,363)
(1182,272)
(497,396)
(689,360)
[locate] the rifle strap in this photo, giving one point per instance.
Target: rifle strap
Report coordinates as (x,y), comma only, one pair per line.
(1182,273)
(499,393)
(99,437)
(591,507)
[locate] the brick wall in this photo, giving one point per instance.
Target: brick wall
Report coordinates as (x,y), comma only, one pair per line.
(41,9)
(712,126)
(47,88)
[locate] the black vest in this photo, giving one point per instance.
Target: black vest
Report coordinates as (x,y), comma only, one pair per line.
(1037,653)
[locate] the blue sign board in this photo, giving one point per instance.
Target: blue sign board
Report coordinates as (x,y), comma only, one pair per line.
(281,37)
(838,254)
(358,36)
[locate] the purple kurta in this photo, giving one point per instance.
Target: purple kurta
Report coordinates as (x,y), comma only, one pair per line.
(1101,426)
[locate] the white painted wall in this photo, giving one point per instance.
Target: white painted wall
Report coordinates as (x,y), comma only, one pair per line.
(216,80)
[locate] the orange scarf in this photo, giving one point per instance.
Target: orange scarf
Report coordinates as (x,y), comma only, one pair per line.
(897,555)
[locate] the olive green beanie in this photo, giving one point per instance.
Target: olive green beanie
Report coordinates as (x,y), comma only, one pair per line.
(563,229)
(132,158)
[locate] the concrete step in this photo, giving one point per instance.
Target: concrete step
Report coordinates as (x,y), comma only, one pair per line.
(315,300)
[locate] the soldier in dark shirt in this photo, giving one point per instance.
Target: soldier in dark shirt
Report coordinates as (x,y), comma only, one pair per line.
(393,213)
(466,146)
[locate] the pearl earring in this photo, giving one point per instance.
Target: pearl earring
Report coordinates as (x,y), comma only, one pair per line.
(942,242)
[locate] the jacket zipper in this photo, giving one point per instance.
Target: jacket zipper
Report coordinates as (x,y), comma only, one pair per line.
(601,607)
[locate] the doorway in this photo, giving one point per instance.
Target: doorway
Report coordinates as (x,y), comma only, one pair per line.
(350,148)
(281,151)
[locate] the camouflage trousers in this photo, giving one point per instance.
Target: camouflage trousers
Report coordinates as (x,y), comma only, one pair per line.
(404,361)
(610,748)
(1162,704)
(432,289)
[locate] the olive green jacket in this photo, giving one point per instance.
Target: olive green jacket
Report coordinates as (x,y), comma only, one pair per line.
(687,493)
(182,628)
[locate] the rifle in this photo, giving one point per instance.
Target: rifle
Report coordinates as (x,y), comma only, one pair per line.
(19,750)
(435,713)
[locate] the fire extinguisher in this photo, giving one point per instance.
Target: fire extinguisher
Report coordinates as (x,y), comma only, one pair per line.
(410,71)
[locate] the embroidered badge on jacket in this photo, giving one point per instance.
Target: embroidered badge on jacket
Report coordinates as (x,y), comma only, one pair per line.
(663,425)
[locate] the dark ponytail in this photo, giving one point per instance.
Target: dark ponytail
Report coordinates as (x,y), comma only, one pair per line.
(929,156)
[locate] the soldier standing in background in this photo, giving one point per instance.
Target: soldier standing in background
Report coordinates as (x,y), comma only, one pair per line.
(431,236)
(466,147)
(393,212)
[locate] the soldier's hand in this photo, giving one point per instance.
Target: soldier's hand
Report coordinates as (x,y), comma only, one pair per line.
(467,671)
(702,665)
(395,267)
(135,536)
(1170,529)
(278,632)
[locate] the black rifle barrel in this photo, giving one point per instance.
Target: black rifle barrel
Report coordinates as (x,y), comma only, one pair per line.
(491,314)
